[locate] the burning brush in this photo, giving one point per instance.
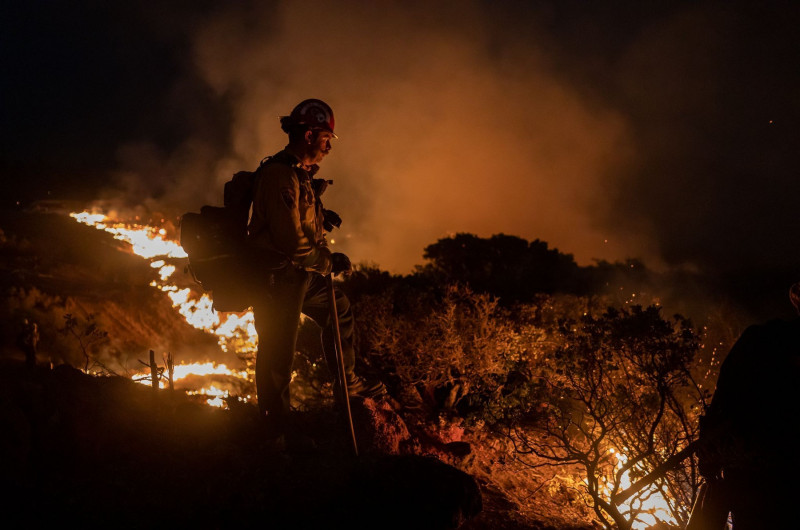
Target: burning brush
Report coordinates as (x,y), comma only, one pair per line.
(235,332)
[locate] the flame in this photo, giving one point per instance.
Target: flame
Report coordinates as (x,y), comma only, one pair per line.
(208,368)
(216,396)
(164,270)
(234,332)
(145,241)
(650,501)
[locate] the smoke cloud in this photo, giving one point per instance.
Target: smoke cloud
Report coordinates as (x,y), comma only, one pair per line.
(711,97)
(446,125)
(662,133)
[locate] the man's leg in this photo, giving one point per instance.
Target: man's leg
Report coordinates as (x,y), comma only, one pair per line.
(277,315)
(317,307)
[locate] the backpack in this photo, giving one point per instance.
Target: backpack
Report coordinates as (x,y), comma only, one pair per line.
(216,242)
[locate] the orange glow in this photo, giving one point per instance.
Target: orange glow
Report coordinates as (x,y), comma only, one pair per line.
(650,501)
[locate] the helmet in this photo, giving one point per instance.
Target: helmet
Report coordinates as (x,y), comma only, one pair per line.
(313,113)
(794,296)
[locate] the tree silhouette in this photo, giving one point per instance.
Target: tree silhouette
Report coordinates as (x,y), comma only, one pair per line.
(505,266)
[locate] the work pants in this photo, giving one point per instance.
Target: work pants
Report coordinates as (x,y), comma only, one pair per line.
(284,295)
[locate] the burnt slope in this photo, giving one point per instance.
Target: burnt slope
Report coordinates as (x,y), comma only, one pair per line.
(51,266)
(106,452)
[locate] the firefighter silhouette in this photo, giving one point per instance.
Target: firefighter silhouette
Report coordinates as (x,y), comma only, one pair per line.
(749,454)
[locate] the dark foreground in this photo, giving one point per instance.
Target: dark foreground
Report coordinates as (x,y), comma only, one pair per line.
(107,452)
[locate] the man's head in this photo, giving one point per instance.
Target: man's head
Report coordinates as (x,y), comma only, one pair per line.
(310,129)
(794,296)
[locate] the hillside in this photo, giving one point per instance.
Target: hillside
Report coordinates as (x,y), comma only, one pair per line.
(51,266)
(104,451)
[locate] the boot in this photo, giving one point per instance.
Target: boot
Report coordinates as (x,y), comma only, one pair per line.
(359,387)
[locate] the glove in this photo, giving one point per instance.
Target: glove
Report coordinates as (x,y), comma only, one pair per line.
(320,185)
(330,220)
(340,263)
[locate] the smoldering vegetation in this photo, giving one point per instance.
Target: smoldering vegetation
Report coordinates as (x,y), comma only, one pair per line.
(90,298)
(482,347)
(656,167)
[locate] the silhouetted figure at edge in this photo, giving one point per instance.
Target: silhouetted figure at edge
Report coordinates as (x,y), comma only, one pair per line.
(751,456)
(28,340)
(287,234)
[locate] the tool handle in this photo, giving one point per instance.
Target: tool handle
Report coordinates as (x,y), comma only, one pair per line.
(341,376)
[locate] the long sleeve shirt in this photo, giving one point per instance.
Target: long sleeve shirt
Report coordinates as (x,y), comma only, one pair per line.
(287,216)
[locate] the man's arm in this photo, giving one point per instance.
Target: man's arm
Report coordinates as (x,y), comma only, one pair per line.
(277,198)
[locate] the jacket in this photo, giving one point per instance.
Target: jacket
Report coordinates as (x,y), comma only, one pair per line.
(287,216)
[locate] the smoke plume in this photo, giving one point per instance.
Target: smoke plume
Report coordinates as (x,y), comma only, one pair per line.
(446,125)
(662,133)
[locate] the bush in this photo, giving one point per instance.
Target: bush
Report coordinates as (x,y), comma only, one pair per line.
(566,380)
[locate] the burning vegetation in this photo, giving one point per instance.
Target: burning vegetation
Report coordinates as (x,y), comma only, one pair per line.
(555,385)
(235,332)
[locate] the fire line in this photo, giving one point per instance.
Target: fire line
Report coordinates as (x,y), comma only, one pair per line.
(233,331)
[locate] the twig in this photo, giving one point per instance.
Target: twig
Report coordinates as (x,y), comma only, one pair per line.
(657,473)
(169,362)
(153,370)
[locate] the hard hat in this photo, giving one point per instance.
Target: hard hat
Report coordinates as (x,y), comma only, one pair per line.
(313,113)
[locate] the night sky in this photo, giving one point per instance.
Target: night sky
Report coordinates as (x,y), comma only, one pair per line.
(666,131)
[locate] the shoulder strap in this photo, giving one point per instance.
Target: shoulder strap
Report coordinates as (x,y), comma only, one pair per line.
(285,158)
(281,157)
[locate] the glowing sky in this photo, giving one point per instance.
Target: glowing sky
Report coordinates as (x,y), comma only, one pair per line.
(611,130)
